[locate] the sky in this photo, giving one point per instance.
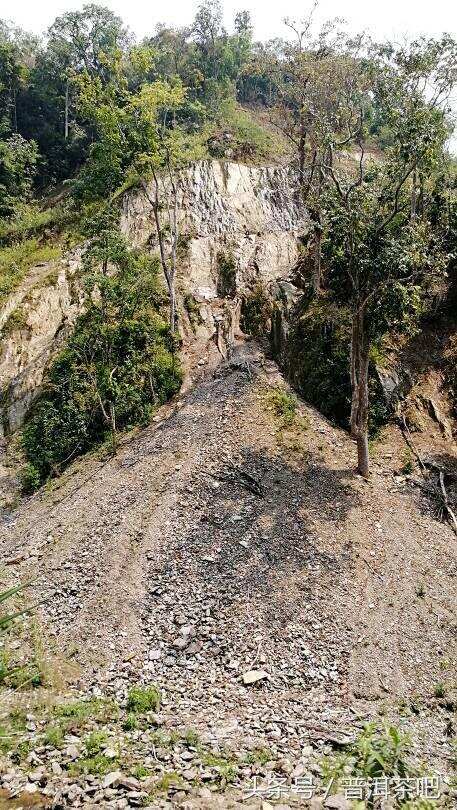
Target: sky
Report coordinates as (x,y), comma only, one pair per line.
(386,19)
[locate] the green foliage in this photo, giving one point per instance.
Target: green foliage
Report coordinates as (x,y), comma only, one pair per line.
(143,699)
(16,321)
(407,466)
(118,364)
(30,220)
(170,779)
(16,676)
(8,596)
(226,278)
(382,752)
(130,723)
(95,742)
(141,772)
(376,752)
(226,767)
(54,735)
(283,404)
(439,690)
(18,165)
(260,756)
(256,311)
(236,135)
(17,259)
(192,308)
(97,765)
(192,738)
(317,362)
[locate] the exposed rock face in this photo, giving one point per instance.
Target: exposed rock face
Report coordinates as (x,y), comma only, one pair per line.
(224,209)
(46,311)
(251,213)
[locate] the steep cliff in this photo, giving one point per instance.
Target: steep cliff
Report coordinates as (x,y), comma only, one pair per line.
(246,215)
(33,324)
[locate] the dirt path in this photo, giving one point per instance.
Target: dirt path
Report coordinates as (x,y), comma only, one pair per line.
(161,568)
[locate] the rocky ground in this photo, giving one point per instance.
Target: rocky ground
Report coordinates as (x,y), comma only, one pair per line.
(233,558)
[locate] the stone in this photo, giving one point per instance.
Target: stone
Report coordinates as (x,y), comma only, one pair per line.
(111,779)
(73,792)
(254,675)
(130,783)
(36,776)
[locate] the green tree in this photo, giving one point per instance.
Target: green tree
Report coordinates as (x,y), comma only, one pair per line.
(118,364)
(18,167)
(381,250)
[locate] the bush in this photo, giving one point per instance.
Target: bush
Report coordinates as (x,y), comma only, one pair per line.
(30,479)
(316,359)
(226,279)
(284,405)
(256,311)
(18,162)
(142,699)
(119,363)
(238,136)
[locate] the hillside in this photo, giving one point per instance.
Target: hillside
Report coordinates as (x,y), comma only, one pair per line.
(220,541)
(228,417)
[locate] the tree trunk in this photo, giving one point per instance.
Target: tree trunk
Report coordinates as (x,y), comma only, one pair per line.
(66,109)
(14,111)
(174,251)
(363,461)
(113,428)
(360,349)
(169,269)
(355,371)
(301,152)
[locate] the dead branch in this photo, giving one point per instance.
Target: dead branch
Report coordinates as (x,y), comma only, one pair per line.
(447,508)
(427,468)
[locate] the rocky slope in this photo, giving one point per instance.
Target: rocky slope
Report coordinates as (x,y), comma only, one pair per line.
(221,541)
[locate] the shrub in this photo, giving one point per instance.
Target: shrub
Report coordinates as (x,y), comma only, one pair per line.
(119,363)
(18,163)
(16,321)
(226,279)
(284,405)
(256,311)
(16,260)
(316,359)
(30,479)
(377,752)
(382,752)
(142,699)
(238,136)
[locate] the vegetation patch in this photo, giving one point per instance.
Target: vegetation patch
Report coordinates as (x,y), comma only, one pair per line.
(256,311)
(141,700)
(283,404)
(16,260)
(15,322)
(316,360)
(226,274)
(192,308)
(376,752)
(118,365)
